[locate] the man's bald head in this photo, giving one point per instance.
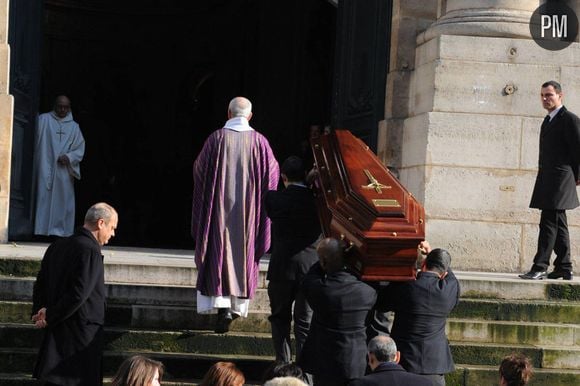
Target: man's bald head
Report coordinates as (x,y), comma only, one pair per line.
(331,254)
(61,106)
(240,107)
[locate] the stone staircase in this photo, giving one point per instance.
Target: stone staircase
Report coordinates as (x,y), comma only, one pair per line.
(151,310)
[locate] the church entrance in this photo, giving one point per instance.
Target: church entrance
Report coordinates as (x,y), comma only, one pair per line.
(149,80)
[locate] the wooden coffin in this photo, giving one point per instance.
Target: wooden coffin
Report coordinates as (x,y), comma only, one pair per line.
(361,202)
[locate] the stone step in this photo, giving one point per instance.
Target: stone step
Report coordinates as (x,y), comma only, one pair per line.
(541,356)
(175,317)
(468,375)
(122,265)
(508,332)
(174,300)
(15,288)
(554,311)
(177,268)
(241,344)
(179,366)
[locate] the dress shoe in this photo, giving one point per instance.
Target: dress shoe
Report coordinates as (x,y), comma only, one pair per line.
(224,319)
(561,273)
(534,275)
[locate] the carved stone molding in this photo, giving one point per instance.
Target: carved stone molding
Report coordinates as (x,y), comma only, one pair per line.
(489,18)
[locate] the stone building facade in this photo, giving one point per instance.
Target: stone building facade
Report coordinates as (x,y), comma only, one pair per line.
(461,123)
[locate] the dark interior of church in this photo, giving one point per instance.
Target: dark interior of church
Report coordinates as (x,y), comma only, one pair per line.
(150,80)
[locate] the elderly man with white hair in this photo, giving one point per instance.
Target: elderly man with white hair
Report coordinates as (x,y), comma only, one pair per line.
(384,362)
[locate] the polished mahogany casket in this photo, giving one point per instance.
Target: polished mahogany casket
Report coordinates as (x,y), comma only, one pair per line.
(361,202)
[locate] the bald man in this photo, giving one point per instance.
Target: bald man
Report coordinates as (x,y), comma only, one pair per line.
(231,176)
(59,149)
(335,349)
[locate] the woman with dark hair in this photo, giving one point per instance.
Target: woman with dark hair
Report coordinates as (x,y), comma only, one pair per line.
(515,370)
(138,371)
(223,374)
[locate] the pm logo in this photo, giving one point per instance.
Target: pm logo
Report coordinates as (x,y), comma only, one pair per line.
(554,25)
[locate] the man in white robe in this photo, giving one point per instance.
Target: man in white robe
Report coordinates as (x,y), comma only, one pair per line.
(59,149)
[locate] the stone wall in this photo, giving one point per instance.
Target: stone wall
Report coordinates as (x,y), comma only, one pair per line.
(470,144)
(6,109)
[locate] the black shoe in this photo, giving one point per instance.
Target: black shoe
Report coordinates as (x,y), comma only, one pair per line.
(534,275)
(225,318)
(561,273)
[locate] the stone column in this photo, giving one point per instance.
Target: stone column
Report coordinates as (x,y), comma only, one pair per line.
(409,18)
(493,18)
(470,141)
(6,110)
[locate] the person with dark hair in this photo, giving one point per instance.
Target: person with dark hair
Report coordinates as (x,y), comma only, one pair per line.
(69,303)
(383,359)
(555,187)
(295,233)
(335,348)
(283,369)
(138,371)
(223,374)
(515,370)
(421,309)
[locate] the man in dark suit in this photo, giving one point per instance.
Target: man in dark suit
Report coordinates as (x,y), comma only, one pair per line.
(555,188)
(383,360)
(335,349)
(295,234)
(69,303)
(421,309)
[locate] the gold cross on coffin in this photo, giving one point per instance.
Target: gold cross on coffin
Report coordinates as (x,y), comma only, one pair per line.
(374,184)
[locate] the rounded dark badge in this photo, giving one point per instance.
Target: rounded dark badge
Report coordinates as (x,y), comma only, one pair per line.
(554,25)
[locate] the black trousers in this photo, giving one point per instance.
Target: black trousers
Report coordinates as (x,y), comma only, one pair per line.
(283,294)
(553,236)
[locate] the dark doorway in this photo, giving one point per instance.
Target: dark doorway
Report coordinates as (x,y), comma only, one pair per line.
(149,80)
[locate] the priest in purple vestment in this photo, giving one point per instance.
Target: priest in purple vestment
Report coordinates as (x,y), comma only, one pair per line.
(231,175)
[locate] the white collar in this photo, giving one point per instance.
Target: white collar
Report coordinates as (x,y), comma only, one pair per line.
(238,124)
(553,113)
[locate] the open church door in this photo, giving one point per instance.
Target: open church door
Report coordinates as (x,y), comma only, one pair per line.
(24,37)
(361,66)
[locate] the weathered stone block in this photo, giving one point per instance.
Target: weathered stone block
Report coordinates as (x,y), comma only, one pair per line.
(477,246)
(493,195)
(505,50)
(472,140)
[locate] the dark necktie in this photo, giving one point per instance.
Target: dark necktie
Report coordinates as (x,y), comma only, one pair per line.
(545,123)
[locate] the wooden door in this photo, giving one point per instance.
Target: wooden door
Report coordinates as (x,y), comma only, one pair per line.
(24,37)
(361,66)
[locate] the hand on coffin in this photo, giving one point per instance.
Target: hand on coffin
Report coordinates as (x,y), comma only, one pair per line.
(424,247)
(311,175)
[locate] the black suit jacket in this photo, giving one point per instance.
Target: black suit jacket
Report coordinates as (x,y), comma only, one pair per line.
(335,349)
(392,374)
(71,286)
(558,164)
(295,232)
(421,309)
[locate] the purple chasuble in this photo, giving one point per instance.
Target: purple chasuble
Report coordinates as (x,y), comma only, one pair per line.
(231,175)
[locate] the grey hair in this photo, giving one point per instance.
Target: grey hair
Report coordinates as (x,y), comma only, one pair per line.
(383,348)
(285,381)
(240,107)
(100,210)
